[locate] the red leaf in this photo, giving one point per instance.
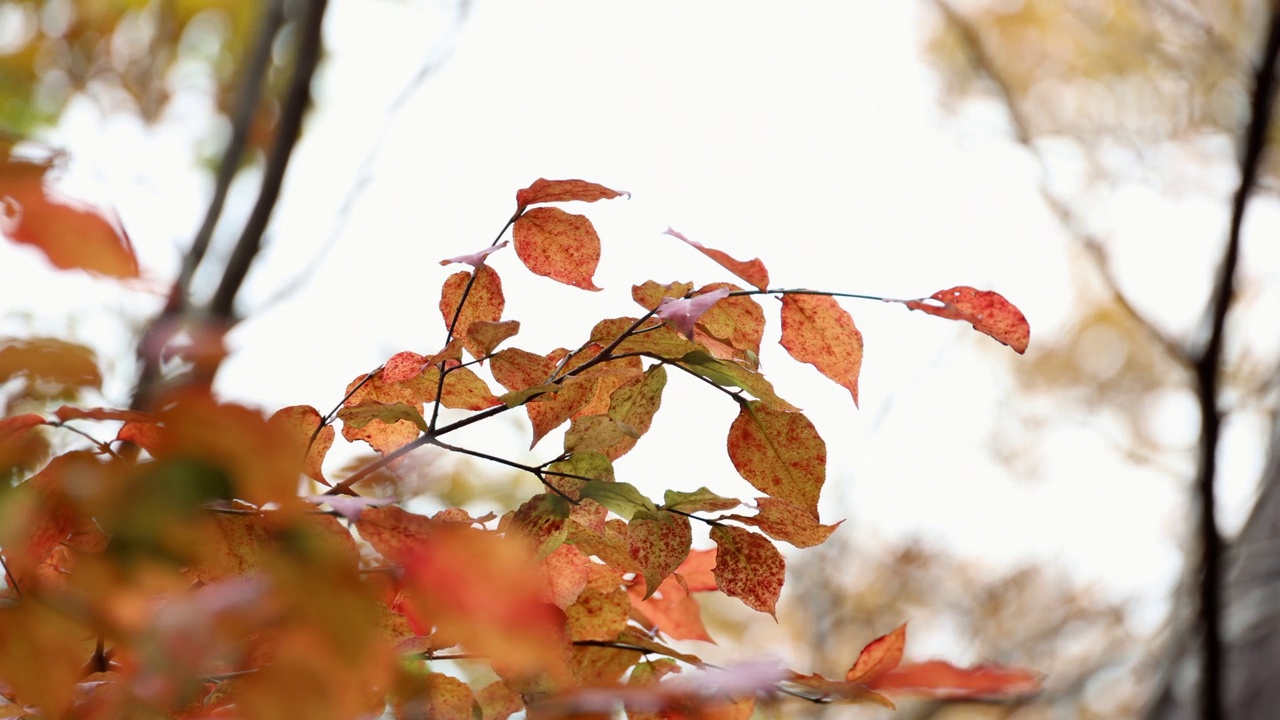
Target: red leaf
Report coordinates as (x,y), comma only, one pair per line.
(69,235)
(555,244)
(403,366)
(940,679)
(748,567)
(879,656)
(784,521)
(66,412)
(683,313)
(13,427)
(484,303)
(816,330)
(697,570)
(752,271)
(988,312)
(780,454)
(544,191)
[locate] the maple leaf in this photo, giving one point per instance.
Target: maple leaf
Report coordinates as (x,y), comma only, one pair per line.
(780,454)
(475,259)
(684,312)
(988,312)
(559,245)
(748,567)
(752,271)
(545,191)
(816,330)
(69,235)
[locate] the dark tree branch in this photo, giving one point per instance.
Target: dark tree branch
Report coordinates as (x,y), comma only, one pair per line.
(289,128)
(1208,364)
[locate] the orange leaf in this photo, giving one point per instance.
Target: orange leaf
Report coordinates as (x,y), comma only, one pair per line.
(785,521)
(66,412)
(443,696)
(816,330)
(753,271)
(14,427)
(300,423)
(483,303)
(544,191)
(988,312)
(672,610)
(601,610)
(697,570)
(737,320)
(485,335)
(393,532)
(748,567)
(879,656)
(498,702)
(555,244)
(940,679)
(542,520)
(71,237)
(49,359)
(780,454)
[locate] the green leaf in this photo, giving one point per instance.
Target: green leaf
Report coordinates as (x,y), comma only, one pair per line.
(727,373)
(700,500)
(622,498)
(358,416)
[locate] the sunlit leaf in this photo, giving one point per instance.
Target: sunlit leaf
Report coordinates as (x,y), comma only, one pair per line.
(621,498)
(816,330)
(485,336)
(780,454)
(658,545)
(302,423)
(483,303)
(748,567)
(698,570)
(358,416)
(545,191)
(988,312)
(559,245)
(543,520)
(784,521)
(683,313)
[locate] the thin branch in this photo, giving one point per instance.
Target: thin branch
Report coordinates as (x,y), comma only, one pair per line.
(1208,363)
(288,130)
(101,446)
(532,470)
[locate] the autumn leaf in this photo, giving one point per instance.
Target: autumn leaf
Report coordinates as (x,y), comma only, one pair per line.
(393,532)
(658,545)
(748,567)
(66,412)
(460,308)
(698,570)
(475,259)
(49,359)
(780,454)
(752,271)
(816,330)
(940,679)
(498,702)
(439,696)
(545,191)
(728,373)
(621,498)
(988,312)
(737,320)
(301,423)
(69,235)
(700,500)
(542,520)
(601,610)
(656,340)
(672,610)
(650,294)
(879,656)
(360,415)
(559,245)
(785,521)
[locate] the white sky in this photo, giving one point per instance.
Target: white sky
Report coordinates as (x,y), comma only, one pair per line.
(806,134)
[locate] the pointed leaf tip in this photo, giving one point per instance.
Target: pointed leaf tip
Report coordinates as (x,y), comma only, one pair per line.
(987,311)
(816,330)
(879,656)
(544,191)
(753,271)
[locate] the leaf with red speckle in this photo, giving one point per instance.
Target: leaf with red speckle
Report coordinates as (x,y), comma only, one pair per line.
(988,312)
(784,521)
(940,679)
(879,656)
(737,320)
(545,191)
(601,610)
(780,454)
(564,573)
(403,366)
(517,369)
(559,245)
(658,544)
(439,696)
(697,570)
(753,271)
(748,567)
(483,303)
(475,259)
(816,330)
(543,519)
(683,313)
(301,423)
(70,235)
(650,294)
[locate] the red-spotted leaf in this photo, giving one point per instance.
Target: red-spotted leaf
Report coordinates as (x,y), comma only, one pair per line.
(748,567)
(475,259)
(598,433)
(517,369)
(784,521)
(988,312)
(737,321)
(752,271)
(940,679)
(486,336)
(565,573)
(543,521)
(683,313)
(559,245)
(463,389)
(70,235)
(483,303)
(301,423)
(360,415)
(816,330)
(550,411)
(602,609)
(633,406)
(650,294)
(780,454)
(545,191)
(658,545)
(403,366)
(441,697)
(879,656)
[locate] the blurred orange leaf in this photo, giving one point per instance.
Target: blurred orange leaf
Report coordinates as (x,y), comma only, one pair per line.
(940,679)
(879,656)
